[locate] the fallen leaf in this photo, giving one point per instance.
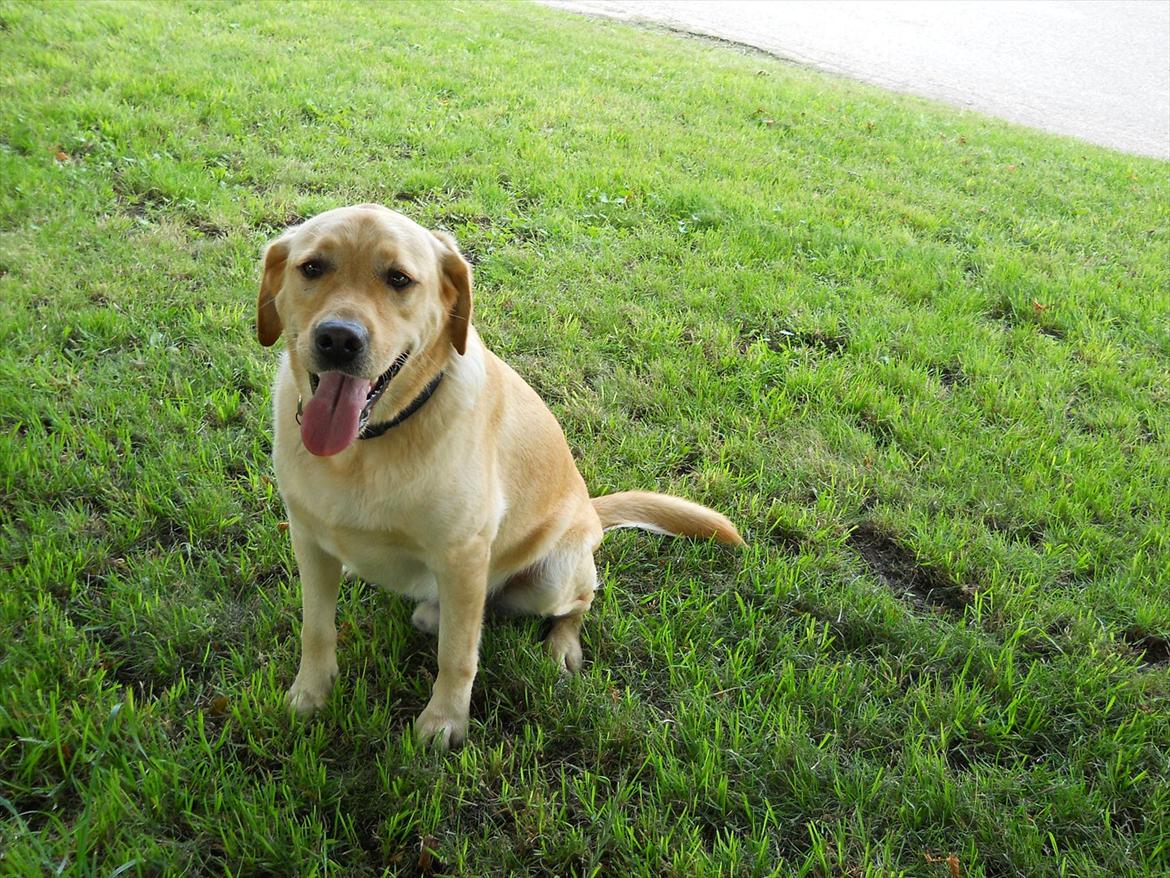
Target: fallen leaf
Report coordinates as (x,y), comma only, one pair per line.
(62,156)
(426,853)
(951,860)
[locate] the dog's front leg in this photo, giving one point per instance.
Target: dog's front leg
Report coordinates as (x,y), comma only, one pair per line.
(462,591)
(320,580)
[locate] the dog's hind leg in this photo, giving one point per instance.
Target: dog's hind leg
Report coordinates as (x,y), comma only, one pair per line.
(560,587)
(564,639)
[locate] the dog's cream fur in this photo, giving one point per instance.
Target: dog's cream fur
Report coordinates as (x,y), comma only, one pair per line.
(473,499)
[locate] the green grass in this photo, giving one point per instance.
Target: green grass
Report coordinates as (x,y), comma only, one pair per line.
(921,357)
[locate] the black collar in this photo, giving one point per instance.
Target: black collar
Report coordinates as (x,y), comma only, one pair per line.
(373,431)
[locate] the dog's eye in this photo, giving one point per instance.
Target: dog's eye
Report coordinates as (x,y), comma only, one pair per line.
(312,269)
(398,280)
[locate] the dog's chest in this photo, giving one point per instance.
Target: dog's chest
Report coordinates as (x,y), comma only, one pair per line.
(376,526)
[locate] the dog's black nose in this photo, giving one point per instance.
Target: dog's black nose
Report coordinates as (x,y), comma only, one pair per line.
(340,342)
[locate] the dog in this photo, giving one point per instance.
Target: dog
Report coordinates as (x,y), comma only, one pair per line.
(409,453)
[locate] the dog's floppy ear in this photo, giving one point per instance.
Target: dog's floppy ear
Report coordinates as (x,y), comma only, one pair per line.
(456,283)
(268,325)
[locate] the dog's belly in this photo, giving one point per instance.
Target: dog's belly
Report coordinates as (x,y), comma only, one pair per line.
(384,565)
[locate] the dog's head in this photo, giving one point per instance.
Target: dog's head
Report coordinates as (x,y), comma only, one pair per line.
(359,291)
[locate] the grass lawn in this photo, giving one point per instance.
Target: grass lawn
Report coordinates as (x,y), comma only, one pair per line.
(921,357)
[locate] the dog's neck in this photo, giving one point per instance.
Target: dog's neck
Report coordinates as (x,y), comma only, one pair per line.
(373,431)
(410,389)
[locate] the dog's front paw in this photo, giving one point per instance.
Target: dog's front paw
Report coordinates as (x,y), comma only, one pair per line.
(308,692)
(443,726)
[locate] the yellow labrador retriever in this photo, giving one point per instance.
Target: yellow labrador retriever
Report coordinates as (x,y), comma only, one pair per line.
(406,451)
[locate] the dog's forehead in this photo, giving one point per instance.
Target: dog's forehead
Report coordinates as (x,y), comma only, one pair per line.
(369,230)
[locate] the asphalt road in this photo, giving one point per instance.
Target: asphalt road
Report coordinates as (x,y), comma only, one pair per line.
(1094,69)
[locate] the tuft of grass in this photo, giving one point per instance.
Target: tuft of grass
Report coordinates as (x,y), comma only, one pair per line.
(920,356)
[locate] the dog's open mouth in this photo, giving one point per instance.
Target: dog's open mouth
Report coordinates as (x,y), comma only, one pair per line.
(340,407)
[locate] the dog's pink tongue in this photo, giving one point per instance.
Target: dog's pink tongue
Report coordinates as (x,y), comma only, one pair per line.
(329,422)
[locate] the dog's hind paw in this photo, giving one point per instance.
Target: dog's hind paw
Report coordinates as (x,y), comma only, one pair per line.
(426,617)
(566,654)
(564,647)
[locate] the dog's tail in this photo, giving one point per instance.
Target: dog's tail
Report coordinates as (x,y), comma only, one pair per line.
(664,514)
